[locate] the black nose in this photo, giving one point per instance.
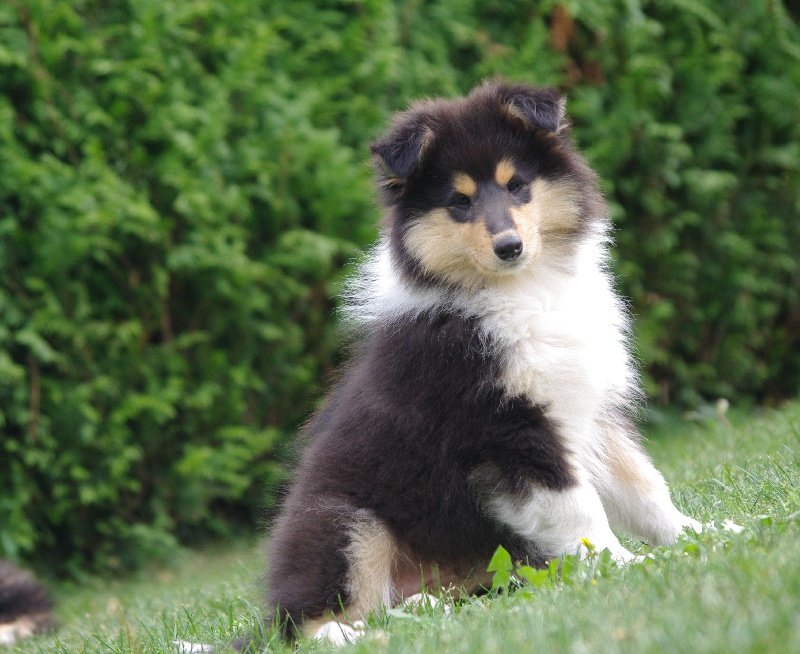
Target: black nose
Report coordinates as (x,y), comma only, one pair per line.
(508,247)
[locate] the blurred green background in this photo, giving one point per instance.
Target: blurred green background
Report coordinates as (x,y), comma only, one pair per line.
(182,183)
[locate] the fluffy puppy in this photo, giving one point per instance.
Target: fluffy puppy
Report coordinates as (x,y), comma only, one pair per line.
(489,399)
(25,607)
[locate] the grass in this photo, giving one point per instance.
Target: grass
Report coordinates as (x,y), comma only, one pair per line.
(203,596)
(714,592)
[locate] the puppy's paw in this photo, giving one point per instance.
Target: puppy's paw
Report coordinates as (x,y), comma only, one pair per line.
(714,525)
(624,557)
(619,554)
(187,647)
(690,524)
(415,603)
(338,633)
(724,525)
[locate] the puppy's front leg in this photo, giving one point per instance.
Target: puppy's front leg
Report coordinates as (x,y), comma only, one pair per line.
(558,520)
(635,495)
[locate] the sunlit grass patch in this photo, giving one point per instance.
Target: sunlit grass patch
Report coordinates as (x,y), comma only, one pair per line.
(711,592)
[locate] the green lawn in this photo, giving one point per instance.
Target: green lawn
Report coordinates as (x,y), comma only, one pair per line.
(715,592)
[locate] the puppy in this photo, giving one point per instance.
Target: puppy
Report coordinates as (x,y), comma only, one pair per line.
(490,397)
(25,607)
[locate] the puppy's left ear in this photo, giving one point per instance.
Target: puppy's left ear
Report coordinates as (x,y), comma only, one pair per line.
(543,108)
(398,153)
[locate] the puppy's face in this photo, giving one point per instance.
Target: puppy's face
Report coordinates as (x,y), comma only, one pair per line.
(481,188)
(490,227)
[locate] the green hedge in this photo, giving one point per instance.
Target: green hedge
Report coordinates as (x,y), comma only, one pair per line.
(165,311)
(182,183)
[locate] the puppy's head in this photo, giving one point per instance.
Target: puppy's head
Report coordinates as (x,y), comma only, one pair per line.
(484,187)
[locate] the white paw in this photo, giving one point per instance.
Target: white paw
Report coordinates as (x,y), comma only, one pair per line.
(725,525)
(338,633)
(694,525)
(625,557)
(714,525)
(424,600)
(618,552)
(187,647)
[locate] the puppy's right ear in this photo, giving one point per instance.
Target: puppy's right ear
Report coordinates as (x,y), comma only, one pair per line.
(541,108)
(400,151)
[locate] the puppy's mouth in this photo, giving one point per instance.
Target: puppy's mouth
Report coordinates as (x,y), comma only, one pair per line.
(504,267)
(499,268)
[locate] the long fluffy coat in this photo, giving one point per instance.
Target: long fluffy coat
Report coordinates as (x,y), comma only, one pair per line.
(488,400)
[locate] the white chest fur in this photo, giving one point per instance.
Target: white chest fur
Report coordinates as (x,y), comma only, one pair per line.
(562,340)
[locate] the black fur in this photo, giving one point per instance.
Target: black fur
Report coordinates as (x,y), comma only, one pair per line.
(416,431)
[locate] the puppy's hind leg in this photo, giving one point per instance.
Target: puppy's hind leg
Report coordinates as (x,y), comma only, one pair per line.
(371,555)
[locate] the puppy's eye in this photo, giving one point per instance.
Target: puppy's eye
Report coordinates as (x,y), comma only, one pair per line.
(461,201)
(514,186)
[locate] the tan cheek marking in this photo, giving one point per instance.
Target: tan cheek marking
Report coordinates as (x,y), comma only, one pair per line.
(552,211)
(525,219)
(504,172)
(477,238)
(458,253)
(430,240)
(463,183)
(556,206)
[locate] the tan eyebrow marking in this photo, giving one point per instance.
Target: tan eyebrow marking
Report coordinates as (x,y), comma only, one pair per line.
(504,172)
(463,183)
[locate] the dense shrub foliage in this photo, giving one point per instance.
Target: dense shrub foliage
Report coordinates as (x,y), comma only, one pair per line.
(181,184)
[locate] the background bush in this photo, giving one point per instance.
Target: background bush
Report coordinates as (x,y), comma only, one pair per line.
(181,184)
